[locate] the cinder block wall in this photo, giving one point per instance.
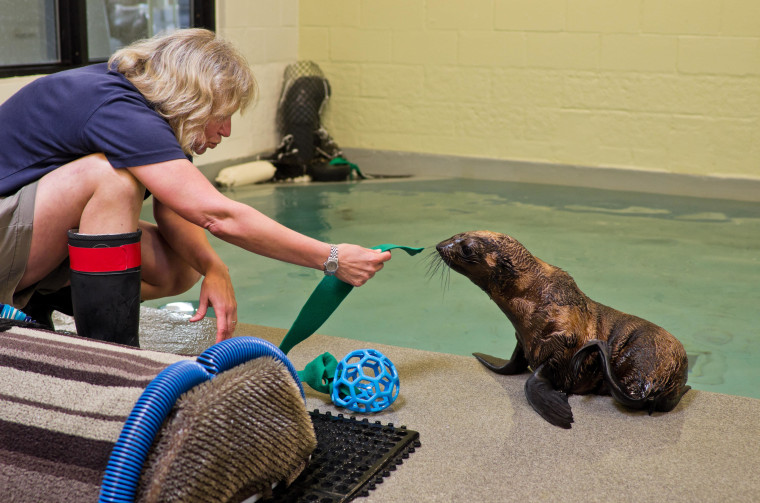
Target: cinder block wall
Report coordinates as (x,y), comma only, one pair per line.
(669,85)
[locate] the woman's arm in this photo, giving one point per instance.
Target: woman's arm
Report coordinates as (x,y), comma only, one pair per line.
(182,187)
(190,242)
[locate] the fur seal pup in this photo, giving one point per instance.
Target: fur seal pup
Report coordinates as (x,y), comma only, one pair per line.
(572,343)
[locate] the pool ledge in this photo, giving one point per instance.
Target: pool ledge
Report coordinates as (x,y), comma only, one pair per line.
(385,162)
(481,441)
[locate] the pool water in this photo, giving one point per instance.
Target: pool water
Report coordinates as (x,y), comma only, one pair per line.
(690,265)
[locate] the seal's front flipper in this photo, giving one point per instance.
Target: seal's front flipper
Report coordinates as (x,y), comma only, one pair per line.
(515,365)
(551,404)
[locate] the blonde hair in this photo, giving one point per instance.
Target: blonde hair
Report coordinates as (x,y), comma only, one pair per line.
(190,76)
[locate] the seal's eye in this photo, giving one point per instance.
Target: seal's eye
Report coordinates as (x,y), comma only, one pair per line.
(466,252)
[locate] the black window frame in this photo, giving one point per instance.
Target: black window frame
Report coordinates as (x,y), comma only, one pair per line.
(72,36)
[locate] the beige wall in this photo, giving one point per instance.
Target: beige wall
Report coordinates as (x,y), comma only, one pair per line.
(668,85)
(8,86)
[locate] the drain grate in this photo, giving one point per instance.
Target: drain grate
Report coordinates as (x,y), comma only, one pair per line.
(351,458)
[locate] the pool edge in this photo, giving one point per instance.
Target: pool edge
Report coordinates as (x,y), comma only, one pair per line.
(386,162)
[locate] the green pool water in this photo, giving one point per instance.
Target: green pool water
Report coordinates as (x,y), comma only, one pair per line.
(690,265)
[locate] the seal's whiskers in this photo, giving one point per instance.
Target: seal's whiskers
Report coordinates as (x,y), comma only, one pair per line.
(436,265)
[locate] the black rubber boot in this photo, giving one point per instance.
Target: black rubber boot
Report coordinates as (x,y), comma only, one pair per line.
(105,285)
(40,307)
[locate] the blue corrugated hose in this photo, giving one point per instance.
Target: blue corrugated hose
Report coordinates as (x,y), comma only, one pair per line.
(229,353)
(151,409)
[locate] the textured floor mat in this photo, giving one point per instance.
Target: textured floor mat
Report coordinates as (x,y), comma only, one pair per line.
(351,458)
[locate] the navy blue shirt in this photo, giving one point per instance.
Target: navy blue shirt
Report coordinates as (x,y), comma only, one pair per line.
(67,115)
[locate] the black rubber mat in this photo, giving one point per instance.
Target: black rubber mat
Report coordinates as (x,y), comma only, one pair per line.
(351,458)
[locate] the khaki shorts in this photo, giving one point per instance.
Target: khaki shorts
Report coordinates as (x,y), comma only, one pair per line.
(16,220)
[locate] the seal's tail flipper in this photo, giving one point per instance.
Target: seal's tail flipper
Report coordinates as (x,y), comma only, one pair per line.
(515,365)
(667,404)
(613,383)
(550,403)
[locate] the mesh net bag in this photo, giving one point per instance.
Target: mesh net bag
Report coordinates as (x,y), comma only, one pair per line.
(306,148)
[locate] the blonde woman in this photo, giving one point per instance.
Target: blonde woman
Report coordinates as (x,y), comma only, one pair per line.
(82,148)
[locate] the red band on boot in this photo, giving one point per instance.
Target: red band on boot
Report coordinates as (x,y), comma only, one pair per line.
(118,258)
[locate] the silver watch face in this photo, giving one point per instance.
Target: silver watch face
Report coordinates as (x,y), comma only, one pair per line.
(331,266)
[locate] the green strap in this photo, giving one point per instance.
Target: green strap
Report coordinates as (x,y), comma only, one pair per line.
(323,301)
(339,161)
(320,373)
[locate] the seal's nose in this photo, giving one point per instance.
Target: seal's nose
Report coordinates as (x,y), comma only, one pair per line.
(445,245)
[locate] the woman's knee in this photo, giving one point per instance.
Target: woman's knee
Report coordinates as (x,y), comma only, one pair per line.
(115,200)
(115,184)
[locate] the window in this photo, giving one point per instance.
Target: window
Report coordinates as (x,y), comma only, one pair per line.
(45,36)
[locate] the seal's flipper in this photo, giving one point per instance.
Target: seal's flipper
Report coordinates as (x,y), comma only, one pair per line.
(515,365)
(613,383)
(589,348)
(667,404)
(550,403)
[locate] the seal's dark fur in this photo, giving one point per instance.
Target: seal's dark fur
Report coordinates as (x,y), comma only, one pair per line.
(572,343)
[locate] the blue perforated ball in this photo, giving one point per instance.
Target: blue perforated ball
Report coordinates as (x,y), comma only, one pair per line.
(365,381)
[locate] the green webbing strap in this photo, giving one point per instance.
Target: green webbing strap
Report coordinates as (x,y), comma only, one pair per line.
(339,161)
(320,373)
(323,301)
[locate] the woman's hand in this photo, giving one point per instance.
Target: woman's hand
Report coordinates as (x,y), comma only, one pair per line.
(356,265)
(217,291)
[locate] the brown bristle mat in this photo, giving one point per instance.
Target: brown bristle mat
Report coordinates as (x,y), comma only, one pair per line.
(230,438)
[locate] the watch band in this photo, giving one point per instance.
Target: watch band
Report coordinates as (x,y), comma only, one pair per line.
(331,264)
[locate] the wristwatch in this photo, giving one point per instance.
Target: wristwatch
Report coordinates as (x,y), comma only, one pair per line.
(331,264)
